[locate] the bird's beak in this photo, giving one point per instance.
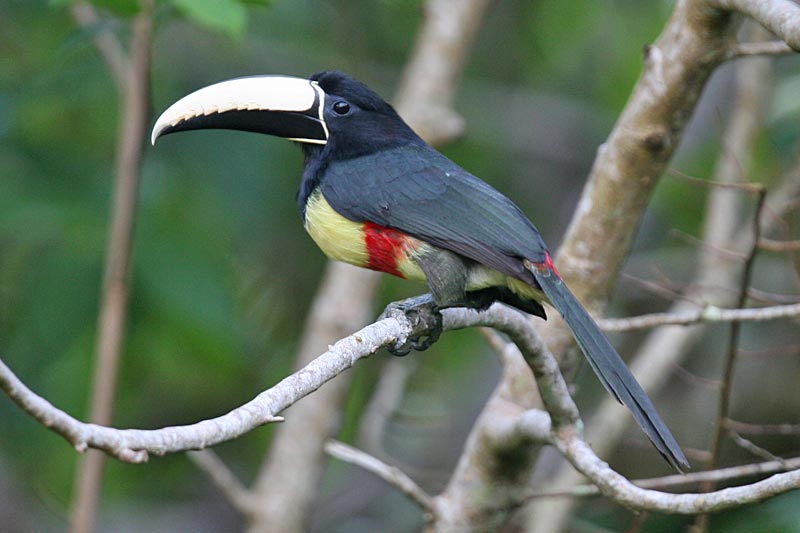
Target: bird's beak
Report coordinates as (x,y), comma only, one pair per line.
(277,105)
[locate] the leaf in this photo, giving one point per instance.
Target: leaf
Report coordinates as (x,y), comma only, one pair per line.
(226,16)
(124,8)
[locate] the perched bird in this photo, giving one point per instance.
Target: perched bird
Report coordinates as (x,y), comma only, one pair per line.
(375,195)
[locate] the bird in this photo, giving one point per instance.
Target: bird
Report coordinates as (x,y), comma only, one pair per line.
(376,195)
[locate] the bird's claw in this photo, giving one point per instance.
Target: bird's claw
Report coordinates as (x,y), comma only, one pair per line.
(426,323)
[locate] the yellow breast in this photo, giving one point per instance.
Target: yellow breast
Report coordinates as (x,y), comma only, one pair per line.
(339,238)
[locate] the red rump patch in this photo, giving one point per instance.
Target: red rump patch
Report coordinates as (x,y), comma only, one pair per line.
(548,261)
(547,265)
(385,247)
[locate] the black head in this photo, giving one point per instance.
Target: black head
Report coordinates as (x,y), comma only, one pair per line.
(358,120)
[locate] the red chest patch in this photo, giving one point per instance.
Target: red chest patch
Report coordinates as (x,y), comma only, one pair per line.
(385,247)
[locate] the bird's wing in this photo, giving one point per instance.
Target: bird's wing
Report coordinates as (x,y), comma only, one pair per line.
(417,190)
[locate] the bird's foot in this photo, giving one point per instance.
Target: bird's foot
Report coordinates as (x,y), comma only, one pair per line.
(426,321)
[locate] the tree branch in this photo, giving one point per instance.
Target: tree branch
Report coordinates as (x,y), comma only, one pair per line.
(781,17)
(622,491)
(523,431)
(679,480)
(390,474)
(708,314)
(759,49)
(233,489)
(135,445)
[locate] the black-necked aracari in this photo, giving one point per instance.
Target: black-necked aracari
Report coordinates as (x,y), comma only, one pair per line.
(375,195)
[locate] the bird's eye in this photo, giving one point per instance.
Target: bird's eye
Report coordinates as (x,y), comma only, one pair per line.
(341,107)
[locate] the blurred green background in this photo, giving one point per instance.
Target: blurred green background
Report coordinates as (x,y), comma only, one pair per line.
(224,273)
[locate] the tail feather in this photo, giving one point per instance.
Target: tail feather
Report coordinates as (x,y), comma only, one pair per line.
(607,364)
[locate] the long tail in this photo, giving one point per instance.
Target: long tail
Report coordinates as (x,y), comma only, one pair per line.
(607,364)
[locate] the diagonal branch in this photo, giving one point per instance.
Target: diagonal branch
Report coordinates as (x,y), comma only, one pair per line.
(391,474)
(135,445)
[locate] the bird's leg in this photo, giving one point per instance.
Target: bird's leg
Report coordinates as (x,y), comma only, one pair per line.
(425,318)
(446,274)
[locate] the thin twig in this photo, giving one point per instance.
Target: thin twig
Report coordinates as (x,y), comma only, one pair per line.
(708,314)
(132,79)
(730,360)
(763,429)
(752,188)
(726,383)
(530,427)
(759,49)
(225,480)
(390,474)
(771,245)
(752,447)
(615,486)
(680,480)
(386,397)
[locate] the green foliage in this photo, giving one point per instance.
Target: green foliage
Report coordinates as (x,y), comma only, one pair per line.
(226,16)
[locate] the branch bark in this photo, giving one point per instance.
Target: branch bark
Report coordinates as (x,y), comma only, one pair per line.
(136,445)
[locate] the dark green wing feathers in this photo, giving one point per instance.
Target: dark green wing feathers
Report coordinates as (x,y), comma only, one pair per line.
(418,191)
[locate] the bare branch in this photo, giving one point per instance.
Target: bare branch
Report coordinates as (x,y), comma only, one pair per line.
(225,480)
(781,17)
(709,314)
(390,474)
(726,384)
(679,480)
(523,431)
(771,245)
(759,49)
(615,486)
(134,445)
(763,429)
(752,447)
